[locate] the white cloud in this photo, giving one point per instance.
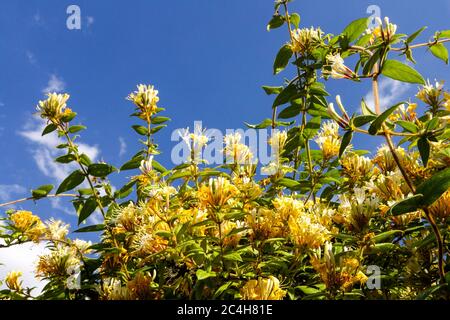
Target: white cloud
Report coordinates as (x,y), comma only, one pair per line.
(10,191)
(44,152)
(122,146)
(391,92)
(23,258)
(55,84)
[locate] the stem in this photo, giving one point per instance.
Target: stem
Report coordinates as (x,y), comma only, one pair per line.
(411,186)
(83,169)
(303,114)
(32,198)
(440,243)
(427,44)
(148,136)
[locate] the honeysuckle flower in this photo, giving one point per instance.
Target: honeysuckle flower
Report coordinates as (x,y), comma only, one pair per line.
(431,94)
(54,107)
(58,262)
(145,98)
(217,193)
(356,210)
(278,140)
(355,167)
(236,152)
(57,230)
(336,68)
(384,32)
(82,246)
(195,141)
(263,289)
(146,166)
(12,280)
(328,139)
(305,40)
(29,224)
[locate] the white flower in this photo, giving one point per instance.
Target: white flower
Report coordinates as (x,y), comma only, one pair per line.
(338,69)
(146,165)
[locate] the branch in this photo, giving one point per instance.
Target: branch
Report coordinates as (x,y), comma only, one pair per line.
(33,198)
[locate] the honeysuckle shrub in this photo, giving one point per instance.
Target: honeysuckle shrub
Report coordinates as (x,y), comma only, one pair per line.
(314,226)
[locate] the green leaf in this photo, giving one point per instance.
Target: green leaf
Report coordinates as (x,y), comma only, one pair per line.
(424,149)
(386,235)
(157,128)
(276,22)
(179,175)
(234,256)
(346,139)
(287,94)
(312,127)
(93,228)
(444,34)
(433,188)
(407,205)
(399,71)
(73,180)
(89,207)
(295,19)
(355,29)
(132,164)
(42,191)
(288,183)
(267,123)
(159,120)
(68,158)
(100,170)
(272,90)
(68,117)
(50,128)
(359,121)
(158,167)
(408,126)
(289,112)
(365,109)
(413,36)
(84,159)
(282,59)
(440,51)
(202,274)
(77,128)
(143,131)
(378,122)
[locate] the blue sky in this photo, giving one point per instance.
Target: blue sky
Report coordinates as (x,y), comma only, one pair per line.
(208,59)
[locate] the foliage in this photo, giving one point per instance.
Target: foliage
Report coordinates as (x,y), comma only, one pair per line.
(311,229)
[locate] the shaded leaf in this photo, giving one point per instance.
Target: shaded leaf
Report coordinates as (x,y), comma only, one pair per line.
(73,180)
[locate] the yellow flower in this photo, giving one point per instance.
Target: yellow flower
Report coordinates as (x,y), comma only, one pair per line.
(328,140)
(54,107)
(236,152)
(441,207)
(58,262)
(304,40)
(217,193)
(305,232)
(29,224)
(431,94)
(263,289)
(12,280)
(145,99)
(356,168)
